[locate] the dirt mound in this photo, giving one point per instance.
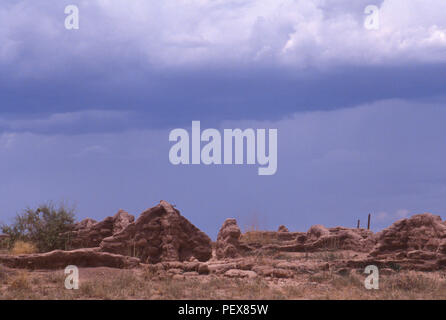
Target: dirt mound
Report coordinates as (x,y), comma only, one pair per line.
(159,234)
(59,259)
(282,228)
(317,238)
(84,224)
(422,236)
(416,243)
(338,238)
(89,234)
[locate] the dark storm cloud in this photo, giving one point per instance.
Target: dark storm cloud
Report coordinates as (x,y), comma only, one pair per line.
(148,100)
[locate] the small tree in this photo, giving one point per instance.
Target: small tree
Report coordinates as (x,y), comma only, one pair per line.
(46,226)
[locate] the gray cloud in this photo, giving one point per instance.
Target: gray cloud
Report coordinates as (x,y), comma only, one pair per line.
(69,122)
(167,63)
(179,34)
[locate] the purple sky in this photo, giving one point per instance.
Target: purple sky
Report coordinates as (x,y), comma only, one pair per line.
(85,114)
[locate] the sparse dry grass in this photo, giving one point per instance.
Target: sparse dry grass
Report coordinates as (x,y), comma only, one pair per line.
(22,247)
(138,284)
(326,256)
(259,237)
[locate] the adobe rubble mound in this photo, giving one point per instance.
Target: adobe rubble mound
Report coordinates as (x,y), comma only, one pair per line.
(338,238)
(282,228)
(228,241)
(317,238)
(89,234)
(160,234)
(59,259)
(420,239)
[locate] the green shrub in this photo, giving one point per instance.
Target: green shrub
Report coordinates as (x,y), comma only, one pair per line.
(46,227)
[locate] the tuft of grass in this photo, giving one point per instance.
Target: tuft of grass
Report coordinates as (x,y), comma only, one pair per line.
(260,237)
(414,281)
(320,277)
(347,281)
(20,282)
(56,278)
(326,256)
(3,274)
(22,247)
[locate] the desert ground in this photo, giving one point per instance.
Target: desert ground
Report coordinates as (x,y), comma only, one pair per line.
(143,283)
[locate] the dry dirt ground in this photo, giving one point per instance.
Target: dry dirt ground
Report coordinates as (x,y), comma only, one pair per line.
(143,283)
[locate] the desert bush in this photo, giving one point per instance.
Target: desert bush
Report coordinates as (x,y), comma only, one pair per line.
(22,247)
(46,227)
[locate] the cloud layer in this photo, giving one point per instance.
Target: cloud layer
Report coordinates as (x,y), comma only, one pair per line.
(187,33)
(165,63)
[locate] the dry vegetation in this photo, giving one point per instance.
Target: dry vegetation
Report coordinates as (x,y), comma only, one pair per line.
(107,283)
(260,237)
(22,247)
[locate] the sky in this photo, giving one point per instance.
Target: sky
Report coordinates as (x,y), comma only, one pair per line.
(85,114)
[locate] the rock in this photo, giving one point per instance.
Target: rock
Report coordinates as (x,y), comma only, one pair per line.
(121,220)
(172,265)
(184,266)
(59,259)
(159,234)
(325,267)
(282,273)
(221,267)
(265,271)
(282,228)
(316,232)
(295,266)
(84,224)
(343,272)
(203,269)
(191,266)
(419,254)
(245,265)
(236,273)
(175,271)
(88,233)
(228,241)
